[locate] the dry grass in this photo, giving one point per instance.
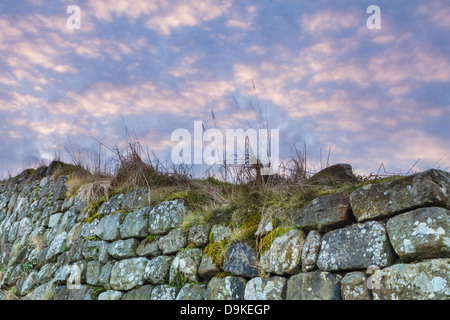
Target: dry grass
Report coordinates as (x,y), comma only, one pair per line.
(96,190)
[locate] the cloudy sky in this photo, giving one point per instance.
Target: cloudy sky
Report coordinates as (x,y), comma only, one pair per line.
(320,76)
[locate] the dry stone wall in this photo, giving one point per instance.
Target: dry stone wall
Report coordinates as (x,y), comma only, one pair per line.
(383,241)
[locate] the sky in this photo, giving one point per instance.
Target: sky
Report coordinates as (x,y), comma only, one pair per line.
(316,71)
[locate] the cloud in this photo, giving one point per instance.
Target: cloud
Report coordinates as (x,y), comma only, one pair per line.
(422,64)
(182,14)
(162,16)
(97,48)
(242,19)
(108,100)
(327,20)
(109,9)
(436,12)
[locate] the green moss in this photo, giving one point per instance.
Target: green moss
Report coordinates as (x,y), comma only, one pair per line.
(92,209)
(251,224)
(222,275)
(179,280)
(217,251)
(124,214)
(356,186)
(191,246)
(211,237)
(92,238)
(118,211)
(96,291)
(267,241)
(192,198)
(96,216)
(150,238)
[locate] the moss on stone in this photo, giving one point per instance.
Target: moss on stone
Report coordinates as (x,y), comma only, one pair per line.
(96,216)
(179,280)
(216,251)
(96,291)
(150,238)
(267,241)
(223,275)
(192,198)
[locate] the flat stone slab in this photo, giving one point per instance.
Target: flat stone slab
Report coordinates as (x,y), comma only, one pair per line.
(325,213)
(421,234)
(356,247)
(273,288)
(228,288)
(321,286)
(128,274)
(381,200)
(428,280)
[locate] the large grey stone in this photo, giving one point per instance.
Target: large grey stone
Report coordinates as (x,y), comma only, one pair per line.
(421,234)
(192,291)
(123,249)
(273,288)
(321,286)
(428,280)
(173,241)
(207,268)
(54,219)
(241,260)
(294,287)
(219,233)
(93,271)
(57,246)
(186,265)
(28,284)
(332,175)
(157,270)
(356,247)
(81,293)
(165,216)
(128,274)
(108,228)
(148,249)
(141,293)
(135,224)
(381,200)
(60,191)
(62,274)
(110,295)
(311,250)
(96,250)
(105,275)
(228,288)
(199,235)
(164,292)
(74,235)
(284,255)
(136,199)
(354,286)
(325,213)
(46,273)
(43,292)
(111,205)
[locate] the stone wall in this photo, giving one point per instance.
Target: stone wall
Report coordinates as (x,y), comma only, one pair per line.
(383,241)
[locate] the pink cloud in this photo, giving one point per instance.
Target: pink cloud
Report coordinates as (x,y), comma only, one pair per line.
(422,64)
(330,20)
(436,12)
